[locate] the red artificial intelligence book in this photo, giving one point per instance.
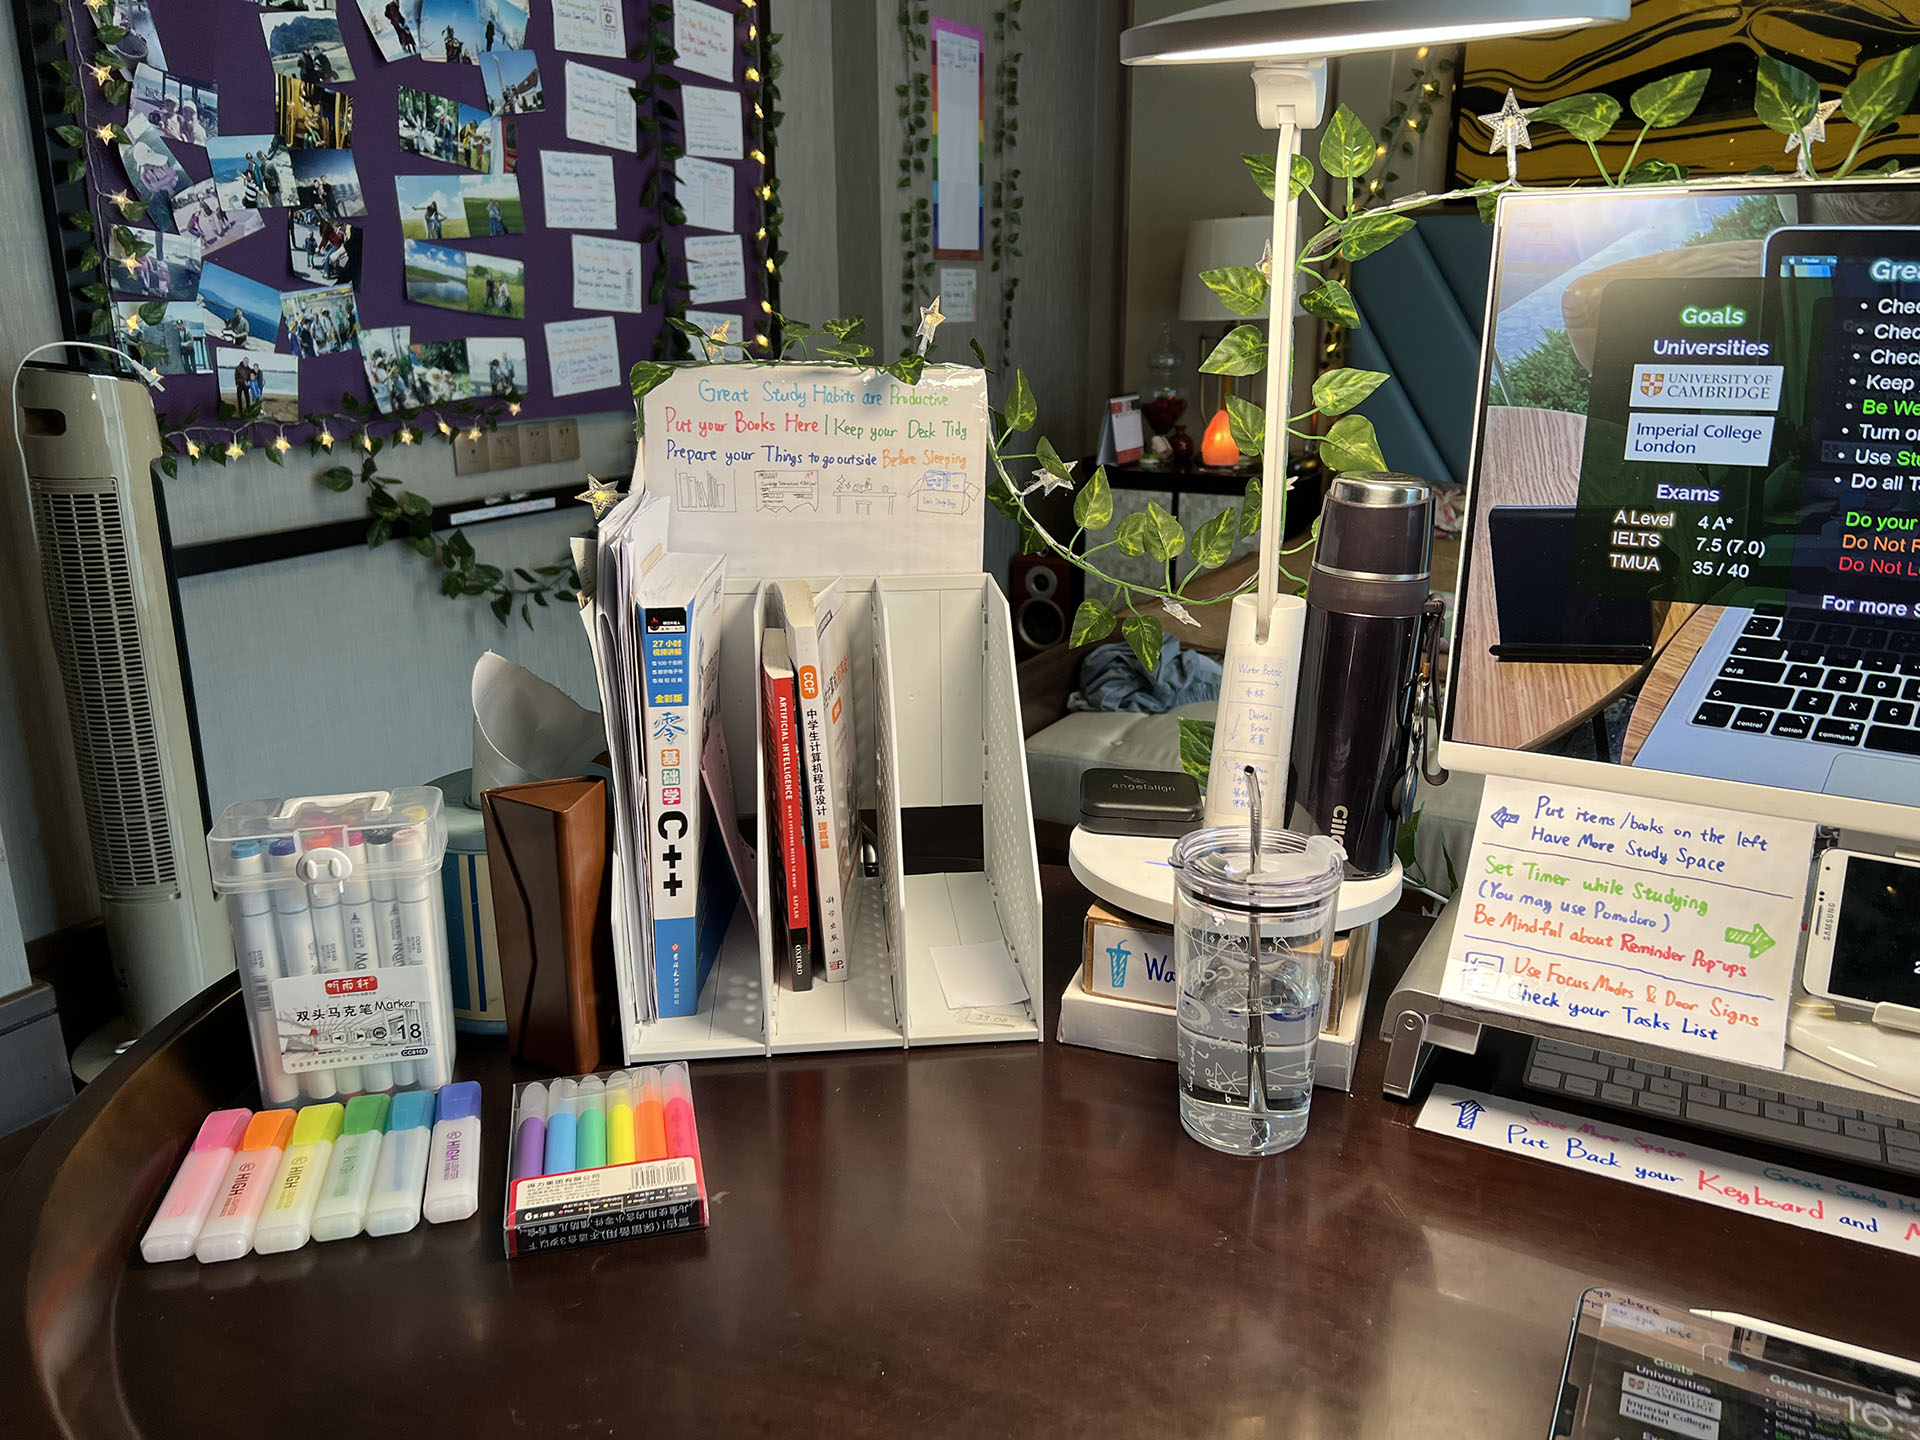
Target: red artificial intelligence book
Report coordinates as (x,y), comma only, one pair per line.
(786,819)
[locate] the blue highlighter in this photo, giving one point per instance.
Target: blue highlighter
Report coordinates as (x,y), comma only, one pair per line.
(562,1111)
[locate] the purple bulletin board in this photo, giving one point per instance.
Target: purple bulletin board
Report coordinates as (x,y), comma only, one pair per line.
(220,44)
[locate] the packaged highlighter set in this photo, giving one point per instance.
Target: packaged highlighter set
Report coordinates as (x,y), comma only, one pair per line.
(603,1157)
(340,937)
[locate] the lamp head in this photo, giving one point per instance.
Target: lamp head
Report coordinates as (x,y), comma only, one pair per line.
(1252,30)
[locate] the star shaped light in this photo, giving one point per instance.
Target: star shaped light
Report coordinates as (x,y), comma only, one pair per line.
(1045,481)
(193,448)
(930,320)
(1509,124)
(1179,612)
(325,437)
(718,338)
(602,495)
(1266,261)
(1815,133)
(282,444)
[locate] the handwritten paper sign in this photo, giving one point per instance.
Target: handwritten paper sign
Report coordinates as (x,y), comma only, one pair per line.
(958,285)
(583,355)
(853,470)
(1800,1198)
(589,27)
(703,36)
(579,190)
(704,189)
(600,108)
(712,119)
(716,269)
(607,274)
(1673,925)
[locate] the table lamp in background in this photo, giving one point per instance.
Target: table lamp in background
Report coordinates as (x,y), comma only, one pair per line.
(1287,43)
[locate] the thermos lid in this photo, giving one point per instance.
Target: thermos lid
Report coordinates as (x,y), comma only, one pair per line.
(1378,527)
(1298,873)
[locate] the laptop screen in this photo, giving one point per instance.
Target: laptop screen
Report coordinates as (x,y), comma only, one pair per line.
(1708,400)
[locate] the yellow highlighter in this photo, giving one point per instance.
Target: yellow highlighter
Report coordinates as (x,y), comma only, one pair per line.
(650,1118)
(619,1118)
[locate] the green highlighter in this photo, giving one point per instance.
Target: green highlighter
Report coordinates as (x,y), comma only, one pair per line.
(342,1210)
(592,1132)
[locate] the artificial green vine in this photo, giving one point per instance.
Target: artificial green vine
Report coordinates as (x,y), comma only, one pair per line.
(766,116)
(656,113)
(1004,247)
(916,125)
(1426,86)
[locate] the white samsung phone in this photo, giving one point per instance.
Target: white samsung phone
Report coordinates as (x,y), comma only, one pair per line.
(1863,946)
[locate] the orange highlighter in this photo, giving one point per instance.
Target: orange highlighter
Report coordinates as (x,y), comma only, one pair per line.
(649,1118)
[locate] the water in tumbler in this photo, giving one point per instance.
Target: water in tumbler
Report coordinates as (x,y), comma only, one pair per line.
(1213,1049)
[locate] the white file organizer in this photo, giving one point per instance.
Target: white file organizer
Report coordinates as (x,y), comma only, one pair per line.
(938,724)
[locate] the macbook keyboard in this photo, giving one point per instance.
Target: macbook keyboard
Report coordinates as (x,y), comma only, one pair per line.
(1798,675)
(1676,1093)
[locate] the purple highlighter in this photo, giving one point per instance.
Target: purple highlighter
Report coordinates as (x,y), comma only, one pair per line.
(530,1133)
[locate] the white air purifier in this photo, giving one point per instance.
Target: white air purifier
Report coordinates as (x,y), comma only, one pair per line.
(91,442)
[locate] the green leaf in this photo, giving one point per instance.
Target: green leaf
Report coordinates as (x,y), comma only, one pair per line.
(1351,447)
(1131,534)
(502,607)
(1364,234)
(1021,410)
(1241,288)
(645,376)
(1196,747)
(1338,391)
(1660,103)
(1247,423)
(1243,351)
(423,545)
(337,478)
(1213,541)
(153,312)
(1654,172)
(1300,178)
(1784,97)
(1258,166)
(845,328)
(1092,621)
(1486,199)
(414,503)
(908,369)
(1050,459)
(1093,506)
(1142,634)
(1346,146)
(1586,117)
(1250,510)
(1333,302)
(1163,535)
(1883,94)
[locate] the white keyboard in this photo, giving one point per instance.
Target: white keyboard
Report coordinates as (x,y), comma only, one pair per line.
(1726,1105)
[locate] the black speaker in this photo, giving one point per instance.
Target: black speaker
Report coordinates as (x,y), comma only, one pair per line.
(1043,603)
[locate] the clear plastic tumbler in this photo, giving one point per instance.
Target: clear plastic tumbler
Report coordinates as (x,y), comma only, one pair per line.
(1253,935)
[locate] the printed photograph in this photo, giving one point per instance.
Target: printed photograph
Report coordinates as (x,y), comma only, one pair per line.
(201,212)
(506,144)
(327,180)
(394,26)
(385,356)
(307,46)
(496,366)
(141,43)
(503,24)
(457,207)
(312,117)
(443,129)
(180,109)
(252,172)
(166,267)
(513,82)
(451,31)
(321,322)
(176,344)
(323,250)
(435,274)
(153,169)
(267,384)
(440,372)
(240,312)
(496,285)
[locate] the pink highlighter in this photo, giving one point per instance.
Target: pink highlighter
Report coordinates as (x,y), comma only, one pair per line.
(176,1228)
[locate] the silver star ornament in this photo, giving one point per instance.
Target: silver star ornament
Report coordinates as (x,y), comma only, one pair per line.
(930,320)
(602,495)
(1509,125)
(1815,133)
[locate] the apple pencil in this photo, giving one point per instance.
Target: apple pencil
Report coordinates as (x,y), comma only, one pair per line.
(228,1233)
(257,953)
(287,1221)
(453,1178)
(342,1211)
(293,925)
(189,1200)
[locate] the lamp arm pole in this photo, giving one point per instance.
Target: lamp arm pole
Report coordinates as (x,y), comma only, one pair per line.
(1273,476)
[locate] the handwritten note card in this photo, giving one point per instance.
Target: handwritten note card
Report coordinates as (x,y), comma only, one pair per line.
(958,285)
(579,190)
(589,27)
(607,275)
(712,119)
(716,269)
(1670,924)
(1801,1198)
(704,189)
(703,36)
(600,109)
(854,470)
(583,355)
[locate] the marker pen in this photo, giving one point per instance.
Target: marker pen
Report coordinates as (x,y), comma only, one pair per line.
(649,1118)
(423,944)
(453,1181)
(195,1187)
(287,1222)
(257,952)
(590,1145)
(329,928)
(682,1137)
(386,921)
(560,1127)
(293,925)
(394,1205)
(228,1233)
(530,1133)
(342,1210)
(619,1118)
(362,933)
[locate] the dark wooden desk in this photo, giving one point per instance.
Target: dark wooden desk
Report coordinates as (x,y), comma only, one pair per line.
(1005,1240)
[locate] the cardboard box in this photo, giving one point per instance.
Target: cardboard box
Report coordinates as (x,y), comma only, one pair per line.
(1127,958)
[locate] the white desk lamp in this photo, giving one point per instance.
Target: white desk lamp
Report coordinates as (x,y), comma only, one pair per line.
(1288,42)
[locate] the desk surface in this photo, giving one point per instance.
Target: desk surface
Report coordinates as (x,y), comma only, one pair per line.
(1013,1239)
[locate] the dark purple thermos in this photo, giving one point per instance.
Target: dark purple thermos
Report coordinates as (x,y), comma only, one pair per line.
(1351,776)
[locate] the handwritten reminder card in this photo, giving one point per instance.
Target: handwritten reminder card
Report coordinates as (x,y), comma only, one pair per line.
(1670,924)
